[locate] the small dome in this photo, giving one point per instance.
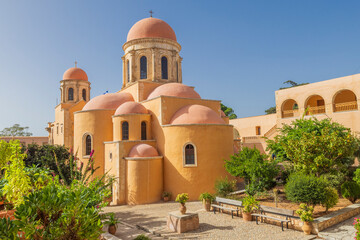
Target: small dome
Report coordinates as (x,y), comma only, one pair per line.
(75,73)
(108,101)
(196,114)
(143,150)
(175,90)
(151,28)
(130,107)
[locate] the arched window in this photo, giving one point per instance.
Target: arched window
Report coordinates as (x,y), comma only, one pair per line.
(164,68)
(189,152)
(143,67)
(71,94)
(87,145)
(345,100)
(128,70)
(143,130)
(125,131)
(289,108)
(84,94)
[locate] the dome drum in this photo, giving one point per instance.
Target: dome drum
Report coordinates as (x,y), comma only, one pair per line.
(138,127)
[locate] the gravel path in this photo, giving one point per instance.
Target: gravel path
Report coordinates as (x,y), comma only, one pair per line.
(152,217)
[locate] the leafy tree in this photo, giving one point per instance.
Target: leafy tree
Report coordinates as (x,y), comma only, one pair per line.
(15,130)
(293,84)
(315,146)
(43,157)
(270,110)
(257,171)
(350,190)
(229,112)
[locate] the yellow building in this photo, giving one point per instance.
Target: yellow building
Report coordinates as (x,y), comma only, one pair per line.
(155,134)
(335,99)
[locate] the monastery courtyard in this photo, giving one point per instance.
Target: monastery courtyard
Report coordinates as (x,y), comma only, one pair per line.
(152,218)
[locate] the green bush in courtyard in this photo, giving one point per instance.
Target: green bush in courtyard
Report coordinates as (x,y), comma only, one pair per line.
(351,191)
(331,198)
(309,189)
(257,170)
(224,186)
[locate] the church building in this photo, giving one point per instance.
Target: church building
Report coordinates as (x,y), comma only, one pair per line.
(155,134)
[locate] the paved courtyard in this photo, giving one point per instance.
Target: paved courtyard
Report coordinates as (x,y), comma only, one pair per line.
(152,218)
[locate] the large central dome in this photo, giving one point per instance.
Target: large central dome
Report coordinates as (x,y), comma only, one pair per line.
(151,28)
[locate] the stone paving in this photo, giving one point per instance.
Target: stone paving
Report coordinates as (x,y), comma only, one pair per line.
(341,231)
(152,219)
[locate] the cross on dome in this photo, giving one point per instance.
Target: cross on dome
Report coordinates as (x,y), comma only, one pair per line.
(151,13)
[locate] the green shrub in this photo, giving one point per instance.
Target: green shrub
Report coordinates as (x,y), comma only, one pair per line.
(250,204)
(224,186)
(8,229)
(257,170)
(308,189)
(331,198)
(357,176)
(350,190)
(305,213)
(206,196)
(335,180)
(142,237)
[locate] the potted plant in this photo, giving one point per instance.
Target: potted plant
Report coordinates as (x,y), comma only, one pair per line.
(305,213)
(206,198)
(250,204)
(111,222)
(166,196)
(182,198)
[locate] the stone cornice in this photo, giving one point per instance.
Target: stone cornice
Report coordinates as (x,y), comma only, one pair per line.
(145,40)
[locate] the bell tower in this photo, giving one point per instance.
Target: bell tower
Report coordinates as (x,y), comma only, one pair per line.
(75,86)
(151,53)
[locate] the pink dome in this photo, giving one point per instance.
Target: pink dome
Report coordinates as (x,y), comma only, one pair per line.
(222,113)
(196,114)
(151,28)
(130,107)
(143,150)
(75,73)
(175,90)
(108,101)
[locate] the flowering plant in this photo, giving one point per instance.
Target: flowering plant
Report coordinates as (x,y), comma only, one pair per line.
(357,227)
(306,213)
(182,198)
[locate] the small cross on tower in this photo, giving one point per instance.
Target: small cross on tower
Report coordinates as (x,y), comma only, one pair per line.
(75,63)
(151,13)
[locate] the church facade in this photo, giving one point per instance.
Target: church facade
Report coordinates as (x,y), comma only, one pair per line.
(155,134)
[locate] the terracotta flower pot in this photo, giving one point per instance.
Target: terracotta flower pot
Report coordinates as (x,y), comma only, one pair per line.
(166,199)
(182,209)
(112,229)
(207,204)
(307,227)
(247,216)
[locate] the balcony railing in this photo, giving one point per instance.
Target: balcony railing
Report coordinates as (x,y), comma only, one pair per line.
(346,106)
(290,113)
(315,110)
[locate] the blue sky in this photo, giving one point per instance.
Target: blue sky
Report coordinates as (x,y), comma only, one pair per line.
(239,52)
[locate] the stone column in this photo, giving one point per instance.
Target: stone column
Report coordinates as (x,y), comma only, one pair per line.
(132,66)
(180,69)
(153,77)
(77,97)
(124,70)
(173,66)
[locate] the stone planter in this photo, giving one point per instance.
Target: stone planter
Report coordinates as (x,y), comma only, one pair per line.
(247,216)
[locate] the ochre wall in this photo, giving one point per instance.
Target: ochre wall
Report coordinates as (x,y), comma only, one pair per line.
(214,144)
(98,123)
(144,180)
(134,121)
